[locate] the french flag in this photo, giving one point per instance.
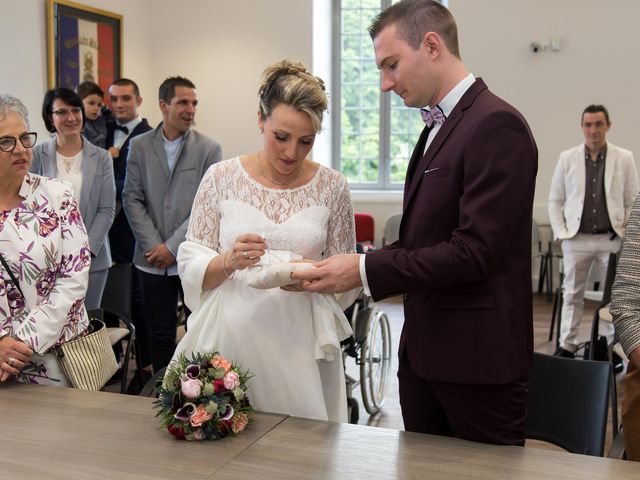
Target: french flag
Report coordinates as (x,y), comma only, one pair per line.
(85,52)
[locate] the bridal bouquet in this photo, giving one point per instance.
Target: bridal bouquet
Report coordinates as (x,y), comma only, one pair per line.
(203,398)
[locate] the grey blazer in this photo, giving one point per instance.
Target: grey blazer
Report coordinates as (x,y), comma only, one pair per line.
(97,198)
(157,201)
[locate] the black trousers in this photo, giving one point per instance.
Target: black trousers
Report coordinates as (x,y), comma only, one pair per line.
(160,296)
(481,413)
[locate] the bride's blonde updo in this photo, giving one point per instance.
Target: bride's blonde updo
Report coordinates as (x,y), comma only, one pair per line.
(292,84)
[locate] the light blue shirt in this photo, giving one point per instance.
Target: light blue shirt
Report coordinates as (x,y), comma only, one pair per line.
(172,149)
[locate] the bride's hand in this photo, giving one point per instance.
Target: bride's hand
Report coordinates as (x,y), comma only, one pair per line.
(247,250)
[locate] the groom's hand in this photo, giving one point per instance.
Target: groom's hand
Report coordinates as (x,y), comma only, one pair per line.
(336,274)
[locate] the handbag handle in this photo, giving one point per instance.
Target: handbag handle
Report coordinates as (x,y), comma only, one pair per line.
(13,278)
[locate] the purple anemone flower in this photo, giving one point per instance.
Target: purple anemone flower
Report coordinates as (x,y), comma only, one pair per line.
(228,413)
(185,412)
(193,371)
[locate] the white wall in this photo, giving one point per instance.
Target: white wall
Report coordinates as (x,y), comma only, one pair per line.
(223,47)
(598,63)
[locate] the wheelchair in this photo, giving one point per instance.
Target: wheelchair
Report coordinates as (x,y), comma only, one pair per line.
(370,347)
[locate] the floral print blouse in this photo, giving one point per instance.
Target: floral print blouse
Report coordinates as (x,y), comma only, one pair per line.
(45,243)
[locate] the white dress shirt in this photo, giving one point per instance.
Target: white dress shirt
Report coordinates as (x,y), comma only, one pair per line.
(119,137)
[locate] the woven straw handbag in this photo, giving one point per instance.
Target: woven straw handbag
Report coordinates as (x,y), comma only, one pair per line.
(88,361)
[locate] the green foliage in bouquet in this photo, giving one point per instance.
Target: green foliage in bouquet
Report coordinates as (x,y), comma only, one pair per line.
(203,398)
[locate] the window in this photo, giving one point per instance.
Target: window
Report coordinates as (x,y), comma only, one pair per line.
(374,133)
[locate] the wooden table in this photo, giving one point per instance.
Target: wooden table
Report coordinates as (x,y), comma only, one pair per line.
(306,449)
(61,433)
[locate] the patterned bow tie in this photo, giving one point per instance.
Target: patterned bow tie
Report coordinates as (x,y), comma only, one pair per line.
(121,128)
(432,116)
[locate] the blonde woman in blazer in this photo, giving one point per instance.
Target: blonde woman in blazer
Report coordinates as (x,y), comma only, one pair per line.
(589,229)
(90,173)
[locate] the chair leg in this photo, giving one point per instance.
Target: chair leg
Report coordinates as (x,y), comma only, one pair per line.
(553,314)
(139,367)
(549,271)
(549,277)
(614,404)
(542,273)
(125,367)
(559,316)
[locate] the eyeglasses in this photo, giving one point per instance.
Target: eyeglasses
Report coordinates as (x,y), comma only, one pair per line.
(8,144)
(63,112)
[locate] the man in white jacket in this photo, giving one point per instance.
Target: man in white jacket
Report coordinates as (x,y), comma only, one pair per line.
(592,191)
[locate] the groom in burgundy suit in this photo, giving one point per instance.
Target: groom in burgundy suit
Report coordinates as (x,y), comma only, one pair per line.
(463,260)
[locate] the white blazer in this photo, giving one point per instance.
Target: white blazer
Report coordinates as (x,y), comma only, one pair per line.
(566,197)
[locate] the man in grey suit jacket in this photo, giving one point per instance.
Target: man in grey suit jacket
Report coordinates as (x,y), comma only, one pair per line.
(164,169)
(592,191)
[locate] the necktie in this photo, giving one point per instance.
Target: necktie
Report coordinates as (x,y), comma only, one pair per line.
(122,128)
(432,116)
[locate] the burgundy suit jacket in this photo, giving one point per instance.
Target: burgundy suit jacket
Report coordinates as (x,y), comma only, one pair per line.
(463,260)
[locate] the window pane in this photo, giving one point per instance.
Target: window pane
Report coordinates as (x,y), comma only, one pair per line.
(371,121)
(360,92)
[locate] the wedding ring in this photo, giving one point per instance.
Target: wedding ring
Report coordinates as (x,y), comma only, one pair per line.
(11,361)
(245,254)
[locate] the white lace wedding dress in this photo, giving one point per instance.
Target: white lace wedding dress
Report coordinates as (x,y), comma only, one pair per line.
(288,340)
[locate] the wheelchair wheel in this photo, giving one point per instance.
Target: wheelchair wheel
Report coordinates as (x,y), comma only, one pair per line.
(375,360)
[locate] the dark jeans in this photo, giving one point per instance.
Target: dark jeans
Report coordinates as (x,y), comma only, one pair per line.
(160,296)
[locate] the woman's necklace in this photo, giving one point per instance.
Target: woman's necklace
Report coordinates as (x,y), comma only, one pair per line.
(282,184)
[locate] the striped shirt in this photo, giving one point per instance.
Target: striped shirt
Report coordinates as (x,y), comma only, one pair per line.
(625,296)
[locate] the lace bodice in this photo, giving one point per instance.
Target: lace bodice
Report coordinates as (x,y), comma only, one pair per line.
(314,220)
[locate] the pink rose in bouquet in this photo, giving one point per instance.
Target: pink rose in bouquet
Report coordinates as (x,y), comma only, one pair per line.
(231,380)
(191,387)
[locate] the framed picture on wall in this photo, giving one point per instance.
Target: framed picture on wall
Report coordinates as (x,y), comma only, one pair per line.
(83,43)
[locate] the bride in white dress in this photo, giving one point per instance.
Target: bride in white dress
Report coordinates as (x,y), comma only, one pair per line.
(256,210)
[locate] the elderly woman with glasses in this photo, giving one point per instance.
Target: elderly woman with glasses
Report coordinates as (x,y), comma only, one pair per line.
(45,259)
(89,169)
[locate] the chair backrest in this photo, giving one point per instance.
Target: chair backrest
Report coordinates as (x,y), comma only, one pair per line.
(116,297)
(392,229)
(365,227)
(568,403)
